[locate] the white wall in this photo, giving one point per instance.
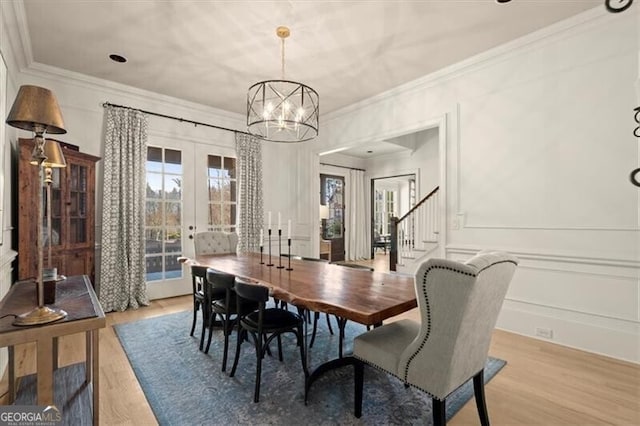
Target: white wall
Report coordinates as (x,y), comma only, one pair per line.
(539,149)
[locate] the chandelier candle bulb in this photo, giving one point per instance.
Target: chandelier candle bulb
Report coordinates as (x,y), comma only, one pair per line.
(289,229)
(269,222)
(279,221)
(261,238)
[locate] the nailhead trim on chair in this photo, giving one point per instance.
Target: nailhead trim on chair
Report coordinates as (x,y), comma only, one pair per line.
(377,367)
(424,341)
(426,297)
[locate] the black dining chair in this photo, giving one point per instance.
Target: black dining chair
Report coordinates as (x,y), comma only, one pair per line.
(226,307)
(198,275)
(198,284)
(264,325)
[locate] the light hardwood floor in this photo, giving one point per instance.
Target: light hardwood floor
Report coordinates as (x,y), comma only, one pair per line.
(542,384)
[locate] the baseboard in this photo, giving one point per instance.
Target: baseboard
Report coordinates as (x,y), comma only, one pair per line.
(604,336)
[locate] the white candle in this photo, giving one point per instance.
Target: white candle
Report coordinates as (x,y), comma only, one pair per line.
(269,215)
(279,224)
(289,229)
(261,238)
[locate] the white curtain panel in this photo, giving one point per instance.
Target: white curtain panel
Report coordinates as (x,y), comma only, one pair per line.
(358,228)
(250,204)
(122,266)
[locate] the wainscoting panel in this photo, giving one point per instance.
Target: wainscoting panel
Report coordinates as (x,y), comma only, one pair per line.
(6,271)
(582,302)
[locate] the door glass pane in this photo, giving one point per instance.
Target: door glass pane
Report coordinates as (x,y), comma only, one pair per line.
(163,215)
(172,214)
(222,186)
(333,198)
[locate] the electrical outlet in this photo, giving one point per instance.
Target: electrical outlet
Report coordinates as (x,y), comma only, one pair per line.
(546,333)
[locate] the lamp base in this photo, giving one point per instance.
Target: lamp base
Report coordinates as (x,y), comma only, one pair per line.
(42,315)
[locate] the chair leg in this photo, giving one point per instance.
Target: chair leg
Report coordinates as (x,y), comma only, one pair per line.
(279,348)
(481,402)
(329,323)
(196,308)
(439,412)
(241,335)
(303,355)
(342,323)
(212,317)
(204,327)
(358,368)
(227,332)
(315,329)
(259,355)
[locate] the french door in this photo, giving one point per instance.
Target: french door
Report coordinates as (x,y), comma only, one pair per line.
(333,226)
(189,189)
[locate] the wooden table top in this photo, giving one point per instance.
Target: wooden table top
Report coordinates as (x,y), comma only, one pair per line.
(355,294)
(74,295)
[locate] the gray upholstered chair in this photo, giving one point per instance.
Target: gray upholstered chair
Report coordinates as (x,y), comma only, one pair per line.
(459,305)
(215,242)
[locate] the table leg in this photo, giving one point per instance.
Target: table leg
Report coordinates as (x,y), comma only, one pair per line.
(95,352)
(54,353)
(12,375)
(88,357)
(45,370)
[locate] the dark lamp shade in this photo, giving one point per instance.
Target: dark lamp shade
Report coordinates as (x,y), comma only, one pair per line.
(36,106)
(53,152)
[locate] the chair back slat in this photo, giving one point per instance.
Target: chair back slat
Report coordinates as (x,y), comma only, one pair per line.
(251,291)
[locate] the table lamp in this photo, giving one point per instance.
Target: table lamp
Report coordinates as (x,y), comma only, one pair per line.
(55,159)
(36,109)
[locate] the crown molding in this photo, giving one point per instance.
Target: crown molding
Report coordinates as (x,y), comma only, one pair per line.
(14,28)
(568,27)
(109,87)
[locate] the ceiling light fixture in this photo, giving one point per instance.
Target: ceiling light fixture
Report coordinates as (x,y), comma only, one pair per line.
(282,110)
(117,58)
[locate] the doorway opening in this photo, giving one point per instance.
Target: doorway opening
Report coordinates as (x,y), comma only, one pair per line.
(391,196)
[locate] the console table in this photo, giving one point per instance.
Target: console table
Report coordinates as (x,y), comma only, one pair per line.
(74,295)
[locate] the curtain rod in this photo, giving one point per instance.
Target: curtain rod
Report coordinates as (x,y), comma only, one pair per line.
(182,120)
(343,167)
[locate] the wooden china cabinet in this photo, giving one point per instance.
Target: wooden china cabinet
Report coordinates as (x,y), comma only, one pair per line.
(72,214)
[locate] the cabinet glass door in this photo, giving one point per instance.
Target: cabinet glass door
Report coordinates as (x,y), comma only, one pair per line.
(53,207)
(77,204)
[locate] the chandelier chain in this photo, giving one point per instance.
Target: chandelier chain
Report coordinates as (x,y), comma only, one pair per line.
(282,56)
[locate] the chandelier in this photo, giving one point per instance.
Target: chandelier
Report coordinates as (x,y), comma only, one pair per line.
(282,110)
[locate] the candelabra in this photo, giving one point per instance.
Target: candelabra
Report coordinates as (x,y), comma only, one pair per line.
(269,232)
(289,245)
(280,249)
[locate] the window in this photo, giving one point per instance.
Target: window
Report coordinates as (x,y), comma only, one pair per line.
(384,209)
(163,217)
(221,175)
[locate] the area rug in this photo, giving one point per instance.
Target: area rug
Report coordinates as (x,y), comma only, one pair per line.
(185,386)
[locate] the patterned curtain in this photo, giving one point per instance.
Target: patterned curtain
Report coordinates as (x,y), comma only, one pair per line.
(122,267)
(249,152)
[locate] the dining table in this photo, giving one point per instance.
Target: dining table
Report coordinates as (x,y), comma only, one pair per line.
(351,294)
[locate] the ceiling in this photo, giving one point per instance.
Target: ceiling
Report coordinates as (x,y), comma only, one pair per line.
(210,52)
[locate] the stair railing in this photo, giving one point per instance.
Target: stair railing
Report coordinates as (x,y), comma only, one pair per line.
(413,232)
